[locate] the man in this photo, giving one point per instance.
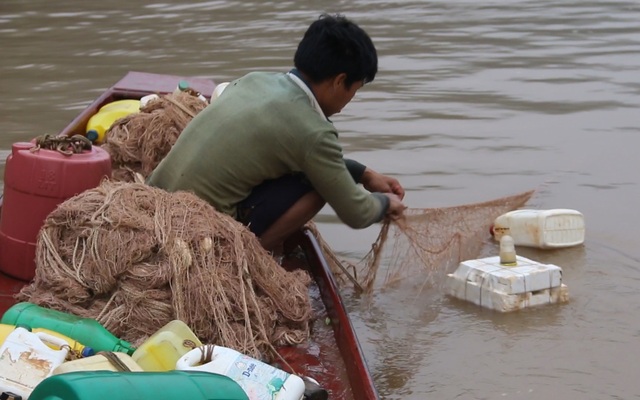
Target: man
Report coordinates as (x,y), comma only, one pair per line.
(266,153)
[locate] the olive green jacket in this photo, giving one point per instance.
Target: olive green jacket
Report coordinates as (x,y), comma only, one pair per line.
(263,126)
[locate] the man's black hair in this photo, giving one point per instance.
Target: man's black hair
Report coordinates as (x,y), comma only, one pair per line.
(333,45)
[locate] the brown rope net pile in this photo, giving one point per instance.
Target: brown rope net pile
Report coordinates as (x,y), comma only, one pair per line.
(135,257)
(138,142)
(425,245)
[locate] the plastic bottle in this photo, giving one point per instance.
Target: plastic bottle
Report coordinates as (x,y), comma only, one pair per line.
(77,347)
(85,330)
(25,360)
(100,122)
(183,86)
(218,90)
(109,385)
(507,251)
(259,380)
(161,351)
(544,229)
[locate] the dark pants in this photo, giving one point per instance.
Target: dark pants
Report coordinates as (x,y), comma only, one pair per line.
(272,198)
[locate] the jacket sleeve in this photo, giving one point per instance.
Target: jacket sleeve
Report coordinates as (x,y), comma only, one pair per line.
(328,173)
(355,169)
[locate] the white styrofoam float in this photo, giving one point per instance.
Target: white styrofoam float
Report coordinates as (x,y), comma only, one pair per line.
(488,283)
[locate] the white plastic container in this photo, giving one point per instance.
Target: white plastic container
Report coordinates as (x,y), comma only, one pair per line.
(507,251)
(103,361)
(488,283)
(76,347)
(26,360)
(259,380)
(218,90)
(147,99)
(544,229)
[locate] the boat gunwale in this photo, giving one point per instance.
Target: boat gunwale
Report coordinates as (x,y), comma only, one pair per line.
(360,378)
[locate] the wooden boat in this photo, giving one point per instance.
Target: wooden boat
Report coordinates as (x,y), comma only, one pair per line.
(333,355)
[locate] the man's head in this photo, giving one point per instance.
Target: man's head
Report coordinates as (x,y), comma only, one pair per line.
(337,57)
(334,45)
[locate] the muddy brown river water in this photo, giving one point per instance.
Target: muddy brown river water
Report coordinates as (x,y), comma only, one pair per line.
(473,100)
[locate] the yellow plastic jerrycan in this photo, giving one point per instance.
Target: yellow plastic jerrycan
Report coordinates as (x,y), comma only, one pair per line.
(101,121)
(165,347)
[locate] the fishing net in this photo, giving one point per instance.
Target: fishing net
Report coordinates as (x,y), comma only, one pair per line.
(135,257)
(424,245)
(138,142)
(66,145)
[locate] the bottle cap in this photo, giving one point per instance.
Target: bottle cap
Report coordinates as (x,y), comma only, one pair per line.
(24,326)
(92,135)
(88,352)
(124,347)
(183,85)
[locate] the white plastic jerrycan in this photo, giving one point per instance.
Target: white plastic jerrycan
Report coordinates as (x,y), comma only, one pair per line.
(545,229)
(259,380)
(26,360)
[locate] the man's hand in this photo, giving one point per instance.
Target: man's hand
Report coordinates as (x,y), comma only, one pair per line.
(396,206)
(376,182)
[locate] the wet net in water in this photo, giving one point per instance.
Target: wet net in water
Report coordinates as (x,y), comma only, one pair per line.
(424,245)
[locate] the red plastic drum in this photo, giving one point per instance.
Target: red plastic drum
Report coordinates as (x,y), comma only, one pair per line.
(34,184)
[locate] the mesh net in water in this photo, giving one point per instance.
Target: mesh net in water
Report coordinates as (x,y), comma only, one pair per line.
(424,245)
